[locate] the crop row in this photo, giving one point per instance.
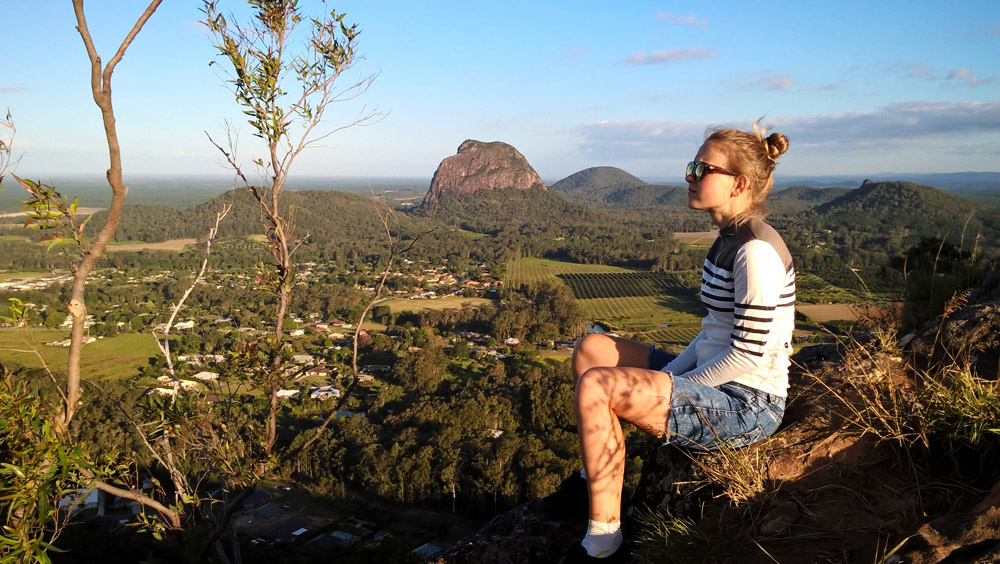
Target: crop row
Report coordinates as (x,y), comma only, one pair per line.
(621,284)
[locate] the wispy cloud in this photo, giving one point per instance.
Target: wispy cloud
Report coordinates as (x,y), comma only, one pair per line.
(12,89)
(975,81)
(913,70)
(690,21)
(828,86)
(965,75)
(578,53)
(766,81)
(895,121)
(995,32)
(670,56)
(894,124)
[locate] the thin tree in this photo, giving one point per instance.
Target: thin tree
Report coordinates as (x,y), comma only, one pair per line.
(286,79)
(56,463)
(50,210)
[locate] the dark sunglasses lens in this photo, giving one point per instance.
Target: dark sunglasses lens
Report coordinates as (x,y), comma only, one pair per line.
(694,171)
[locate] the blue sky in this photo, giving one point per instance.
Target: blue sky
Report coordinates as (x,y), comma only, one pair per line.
(858,87)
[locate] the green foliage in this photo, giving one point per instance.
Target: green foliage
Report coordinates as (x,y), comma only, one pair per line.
(48,210)
(279,77)
(545,310)
(18,312)
(39,469)
(935,271)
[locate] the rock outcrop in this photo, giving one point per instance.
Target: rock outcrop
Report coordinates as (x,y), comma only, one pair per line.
(482,166)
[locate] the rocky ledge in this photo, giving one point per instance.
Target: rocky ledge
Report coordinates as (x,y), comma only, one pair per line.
(821,489)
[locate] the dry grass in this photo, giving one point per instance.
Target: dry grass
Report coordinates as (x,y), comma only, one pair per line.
(438,304)
(697,238)
(175,245)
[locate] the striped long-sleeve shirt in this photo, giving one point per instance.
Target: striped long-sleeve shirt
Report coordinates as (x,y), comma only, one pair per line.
(748,287)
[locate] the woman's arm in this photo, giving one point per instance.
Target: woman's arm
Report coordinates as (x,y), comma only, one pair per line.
(685,361)
(758,278)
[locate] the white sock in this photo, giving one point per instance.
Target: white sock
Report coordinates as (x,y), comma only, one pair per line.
(602,539)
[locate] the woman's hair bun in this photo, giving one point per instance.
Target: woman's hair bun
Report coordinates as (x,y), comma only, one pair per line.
(775,144)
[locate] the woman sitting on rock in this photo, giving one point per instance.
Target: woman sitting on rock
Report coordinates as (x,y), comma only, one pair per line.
(728,387)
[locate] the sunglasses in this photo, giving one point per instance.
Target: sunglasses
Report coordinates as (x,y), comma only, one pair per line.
(696,170)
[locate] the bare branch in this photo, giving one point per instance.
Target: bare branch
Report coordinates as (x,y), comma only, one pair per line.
(164,346)
(77,308)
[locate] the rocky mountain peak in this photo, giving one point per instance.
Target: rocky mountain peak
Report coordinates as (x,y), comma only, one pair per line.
(482,165)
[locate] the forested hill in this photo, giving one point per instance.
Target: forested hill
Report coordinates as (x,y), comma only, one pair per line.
(921,211)
(544,210)
(491,226)
(542,217)
(323,214)
(606,186)
(596,179)
(797,199)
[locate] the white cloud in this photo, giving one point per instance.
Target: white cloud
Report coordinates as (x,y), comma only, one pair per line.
(690,21)
(894,125)
(578,53)
(670,56)
(12,89)
(969,78)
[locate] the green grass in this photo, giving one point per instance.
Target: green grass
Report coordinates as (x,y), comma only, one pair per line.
(112,358)
(6,275)
(446,302)
(812,289)
(532,270)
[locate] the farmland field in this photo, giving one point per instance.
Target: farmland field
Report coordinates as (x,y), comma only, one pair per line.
(447,302)
(697,238)
(631,300)
(6,275)
(531,270)
(175,245)
(116,357)
(834,312)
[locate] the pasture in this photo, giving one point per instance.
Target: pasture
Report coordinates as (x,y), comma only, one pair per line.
(115,357)
(697,238)
(397,305)
(7,275)
(836,312)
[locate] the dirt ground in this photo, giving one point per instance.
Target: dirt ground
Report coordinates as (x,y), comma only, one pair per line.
(839,495)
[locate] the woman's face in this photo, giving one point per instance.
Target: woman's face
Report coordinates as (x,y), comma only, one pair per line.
(715,192)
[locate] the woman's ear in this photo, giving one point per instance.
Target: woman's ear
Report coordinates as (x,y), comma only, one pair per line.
(741,185)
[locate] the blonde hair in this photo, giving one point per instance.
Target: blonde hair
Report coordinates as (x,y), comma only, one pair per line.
(754,155)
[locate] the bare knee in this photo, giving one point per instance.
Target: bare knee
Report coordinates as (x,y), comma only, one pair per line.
(593,386)
(593,350)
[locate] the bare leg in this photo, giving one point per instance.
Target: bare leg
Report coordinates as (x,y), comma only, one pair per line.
(604,350)
(623,387)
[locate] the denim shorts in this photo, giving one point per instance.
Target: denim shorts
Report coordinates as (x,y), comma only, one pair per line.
(707,418)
